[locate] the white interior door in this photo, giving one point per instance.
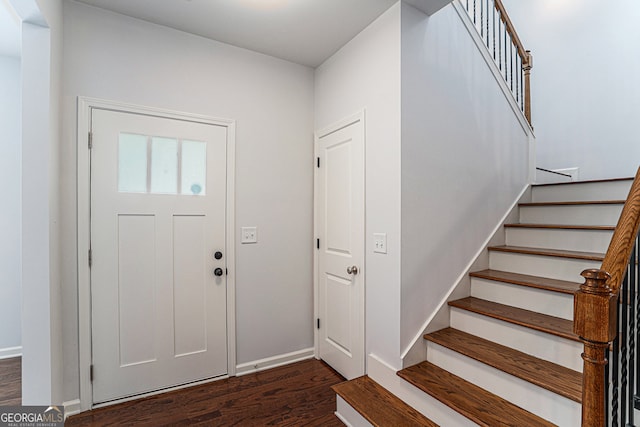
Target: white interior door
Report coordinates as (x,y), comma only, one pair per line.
(340,228)
(158,191)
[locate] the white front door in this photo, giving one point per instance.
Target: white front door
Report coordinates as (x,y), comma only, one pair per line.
(158,273)
(340,263)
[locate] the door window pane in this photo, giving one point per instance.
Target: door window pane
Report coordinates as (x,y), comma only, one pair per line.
(155,168)
(164,165)
(132,163)
(194,167)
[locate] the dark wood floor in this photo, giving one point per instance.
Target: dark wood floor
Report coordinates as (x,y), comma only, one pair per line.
(10,381)
(294,395)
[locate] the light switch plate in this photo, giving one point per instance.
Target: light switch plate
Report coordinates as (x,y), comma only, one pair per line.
(249,235)
(380,243)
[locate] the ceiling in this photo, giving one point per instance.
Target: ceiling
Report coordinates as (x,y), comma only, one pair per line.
(10,34)
(303,31)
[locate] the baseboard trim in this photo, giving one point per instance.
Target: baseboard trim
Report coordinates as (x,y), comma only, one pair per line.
(71,407)
(274,361)
(417,339)
(9,352)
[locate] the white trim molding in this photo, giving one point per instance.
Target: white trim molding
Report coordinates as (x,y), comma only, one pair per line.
(9,352)
(85,105)
(71,407)
(274,361)
(340,124)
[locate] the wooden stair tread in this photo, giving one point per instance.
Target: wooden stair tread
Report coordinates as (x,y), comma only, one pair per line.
(574,203)
(379,406)
(558,379)
(589,256)
(518,316)
(563,227)
(475,403)
(547,284)
(588,181)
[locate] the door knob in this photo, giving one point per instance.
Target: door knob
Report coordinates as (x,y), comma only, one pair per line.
(218,271)
(352,270)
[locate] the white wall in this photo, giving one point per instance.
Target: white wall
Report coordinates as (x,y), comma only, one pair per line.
(10,222)
(365,73)
(464,159)
(41,305)
(585,90)
(110,56)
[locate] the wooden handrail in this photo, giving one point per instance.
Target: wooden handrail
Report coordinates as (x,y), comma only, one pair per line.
(494,42)
(595,308)
(511,29)
(617,257)
(527,58)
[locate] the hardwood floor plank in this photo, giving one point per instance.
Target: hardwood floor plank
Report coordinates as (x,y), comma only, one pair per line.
(562,227)
(529,319)
(11,381)
(292,395)
(589,256)
(574,203)
(379,406)
(561,286)
(480,406)
(558,379)
(588,181)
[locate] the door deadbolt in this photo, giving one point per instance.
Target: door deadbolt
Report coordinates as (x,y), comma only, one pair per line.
(217,255)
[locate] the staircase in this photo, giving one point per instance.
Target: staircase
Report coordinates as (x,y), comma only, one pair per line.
(510,356)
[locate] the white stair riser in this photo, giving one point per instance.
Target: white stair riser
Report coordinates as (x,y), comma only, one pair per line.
(435,410)
(616,190)
(570,240)
(543,266)
(532,299)
(539,344)
(537,400)
(348,415)
(571,214)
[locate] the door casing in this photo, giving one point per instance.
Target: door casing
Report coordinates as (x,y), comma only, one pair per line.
(85,105)
(359,116)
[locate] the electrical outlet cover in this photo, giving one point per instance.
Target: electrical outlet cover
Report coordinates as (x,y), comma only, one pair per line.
(380,243)
(249,235)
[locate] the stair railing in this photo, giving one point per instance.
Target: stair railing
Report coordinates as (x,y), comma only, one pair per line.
(606,317)
(499,35)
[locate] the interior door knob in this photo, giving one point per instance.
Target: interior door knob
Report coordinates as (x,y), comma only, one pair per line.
(218,271)
(352,270)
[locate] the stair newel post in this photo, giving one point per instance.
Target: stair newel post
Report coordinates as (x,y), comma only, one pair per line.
(595,311)
(528,65)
